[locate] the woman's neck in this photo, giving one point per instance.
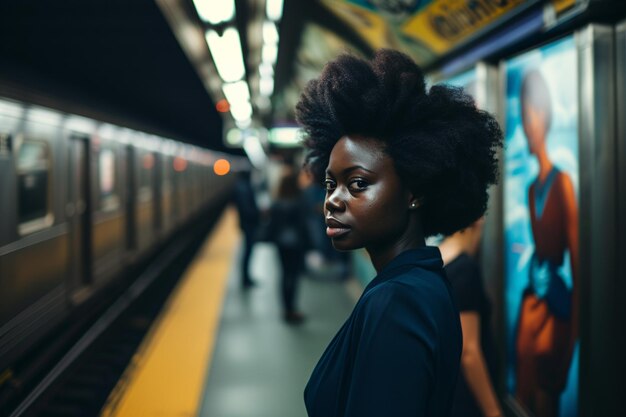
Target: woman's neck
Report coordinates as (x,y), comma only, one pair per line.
(381,257)
(450,249)
(545,165)
(411,238)
(461,242)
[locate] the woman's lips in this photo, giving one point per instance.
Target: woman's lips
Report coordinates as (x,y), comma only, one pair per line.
(334,232)
(335,228)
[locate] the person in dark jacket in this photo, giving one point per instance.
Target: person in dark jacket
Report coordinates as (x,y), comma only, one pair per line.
(249,217)
(399,163)
(288,231)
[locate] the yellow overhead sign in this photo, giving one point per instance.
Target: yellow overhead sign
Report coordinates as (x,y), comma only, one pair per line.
(444,23)
(430,28)
(562,5)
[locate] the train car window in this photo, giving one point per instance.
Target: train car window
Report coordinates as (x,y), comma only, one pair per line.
(33,183)
(146,174)
(166,173)
(109,200)
(6,141)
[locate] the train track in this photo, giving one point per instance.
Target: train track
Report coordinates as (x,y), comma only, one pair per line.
(80,382)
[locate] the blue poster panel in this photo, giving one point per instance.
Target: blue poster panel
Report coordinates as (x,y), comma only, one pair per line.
(465,80)
(541,229)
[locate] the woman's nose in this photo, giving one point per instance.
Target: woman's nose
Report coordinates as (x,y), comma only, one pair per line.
(334,201)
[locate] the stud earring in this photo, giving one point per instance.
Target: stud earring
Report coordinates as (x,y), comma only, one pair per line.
(413,205)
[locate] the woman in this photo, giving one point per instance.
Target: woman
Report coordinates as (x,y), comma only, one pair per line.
(546,333)
(399,164)
(475,395)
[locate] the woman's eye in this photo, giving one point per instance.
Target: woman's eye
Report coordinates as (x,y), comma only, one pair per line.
(329,185)
(358,185)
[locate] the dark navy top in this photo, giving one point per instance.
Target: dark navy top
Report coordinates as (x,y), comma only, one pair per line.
(398,353)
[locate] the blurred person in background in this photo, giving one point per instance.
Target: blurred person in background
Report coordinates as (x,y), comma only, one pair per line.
(475,395)
(249,218)
(288,231)
(312,201)
(324,261)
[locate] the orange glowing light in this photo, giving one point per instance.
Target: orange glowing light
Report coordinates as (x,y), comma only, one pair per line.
(222,106)
(221,167)
(180,164)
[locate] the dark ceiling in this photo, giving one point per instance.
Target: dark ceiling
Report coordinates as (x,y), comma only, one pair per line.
(118,61)
(115,60)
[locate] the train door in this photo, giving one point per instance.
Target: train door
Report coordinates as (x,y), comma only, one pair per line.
(179,164)
(78,211)
(131,199)
(620,286)
(157,193)
(167,188)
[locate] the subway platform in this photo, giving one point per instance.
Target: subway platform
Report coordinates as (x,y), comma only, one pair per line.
(220,351)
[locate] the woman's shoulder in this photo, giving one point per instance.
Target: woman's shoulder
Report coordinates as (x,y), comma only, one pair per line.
(563,179)
(416,287)
(420,279)
(414,304)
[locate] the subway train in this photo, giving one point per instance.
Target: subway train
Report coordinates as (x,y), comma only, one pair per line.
(81,201)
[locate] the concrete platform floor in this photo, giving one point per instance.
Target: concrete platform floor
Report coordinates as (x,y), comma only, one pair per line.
(260,364)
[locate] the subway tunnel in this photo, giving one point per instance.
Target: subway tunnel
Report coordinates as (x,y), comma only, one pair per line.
(144,145)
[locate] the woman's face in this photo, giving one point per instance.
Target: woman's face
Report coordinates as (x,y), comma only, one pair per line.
(366,203)
(534,123)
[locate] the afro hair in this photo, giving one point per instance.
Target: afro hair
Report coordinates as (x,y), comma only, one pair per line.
(443,147)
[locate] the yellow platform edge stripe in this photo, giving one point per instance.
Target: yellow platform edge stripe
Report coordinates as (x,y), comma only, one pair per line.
(166,375)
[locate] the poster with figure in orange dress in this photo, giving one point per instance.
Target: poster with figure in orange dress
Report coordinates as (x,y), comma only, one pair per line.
(541,229)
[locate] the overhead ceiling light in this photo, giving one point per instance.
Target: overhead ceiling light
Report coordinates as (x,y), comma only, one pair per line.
(109,131)
(266,70)
(243,124)
(80,124)
(270,33)
(12,108)
(274,9)
(226,52)
(269,53)
(122,135)
(215,11)
(234,137)
(266,86)
(254,150)
(44,115)
(262,103)
(236,93)
(241,111)
(286,136)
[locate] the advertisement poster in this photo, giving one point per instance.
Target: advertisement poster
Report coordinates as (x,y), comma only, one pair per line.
(466,80)
(541,187)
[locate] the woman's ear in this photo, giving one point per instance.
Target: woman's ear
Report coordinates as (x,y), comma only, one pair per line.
(414,202)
